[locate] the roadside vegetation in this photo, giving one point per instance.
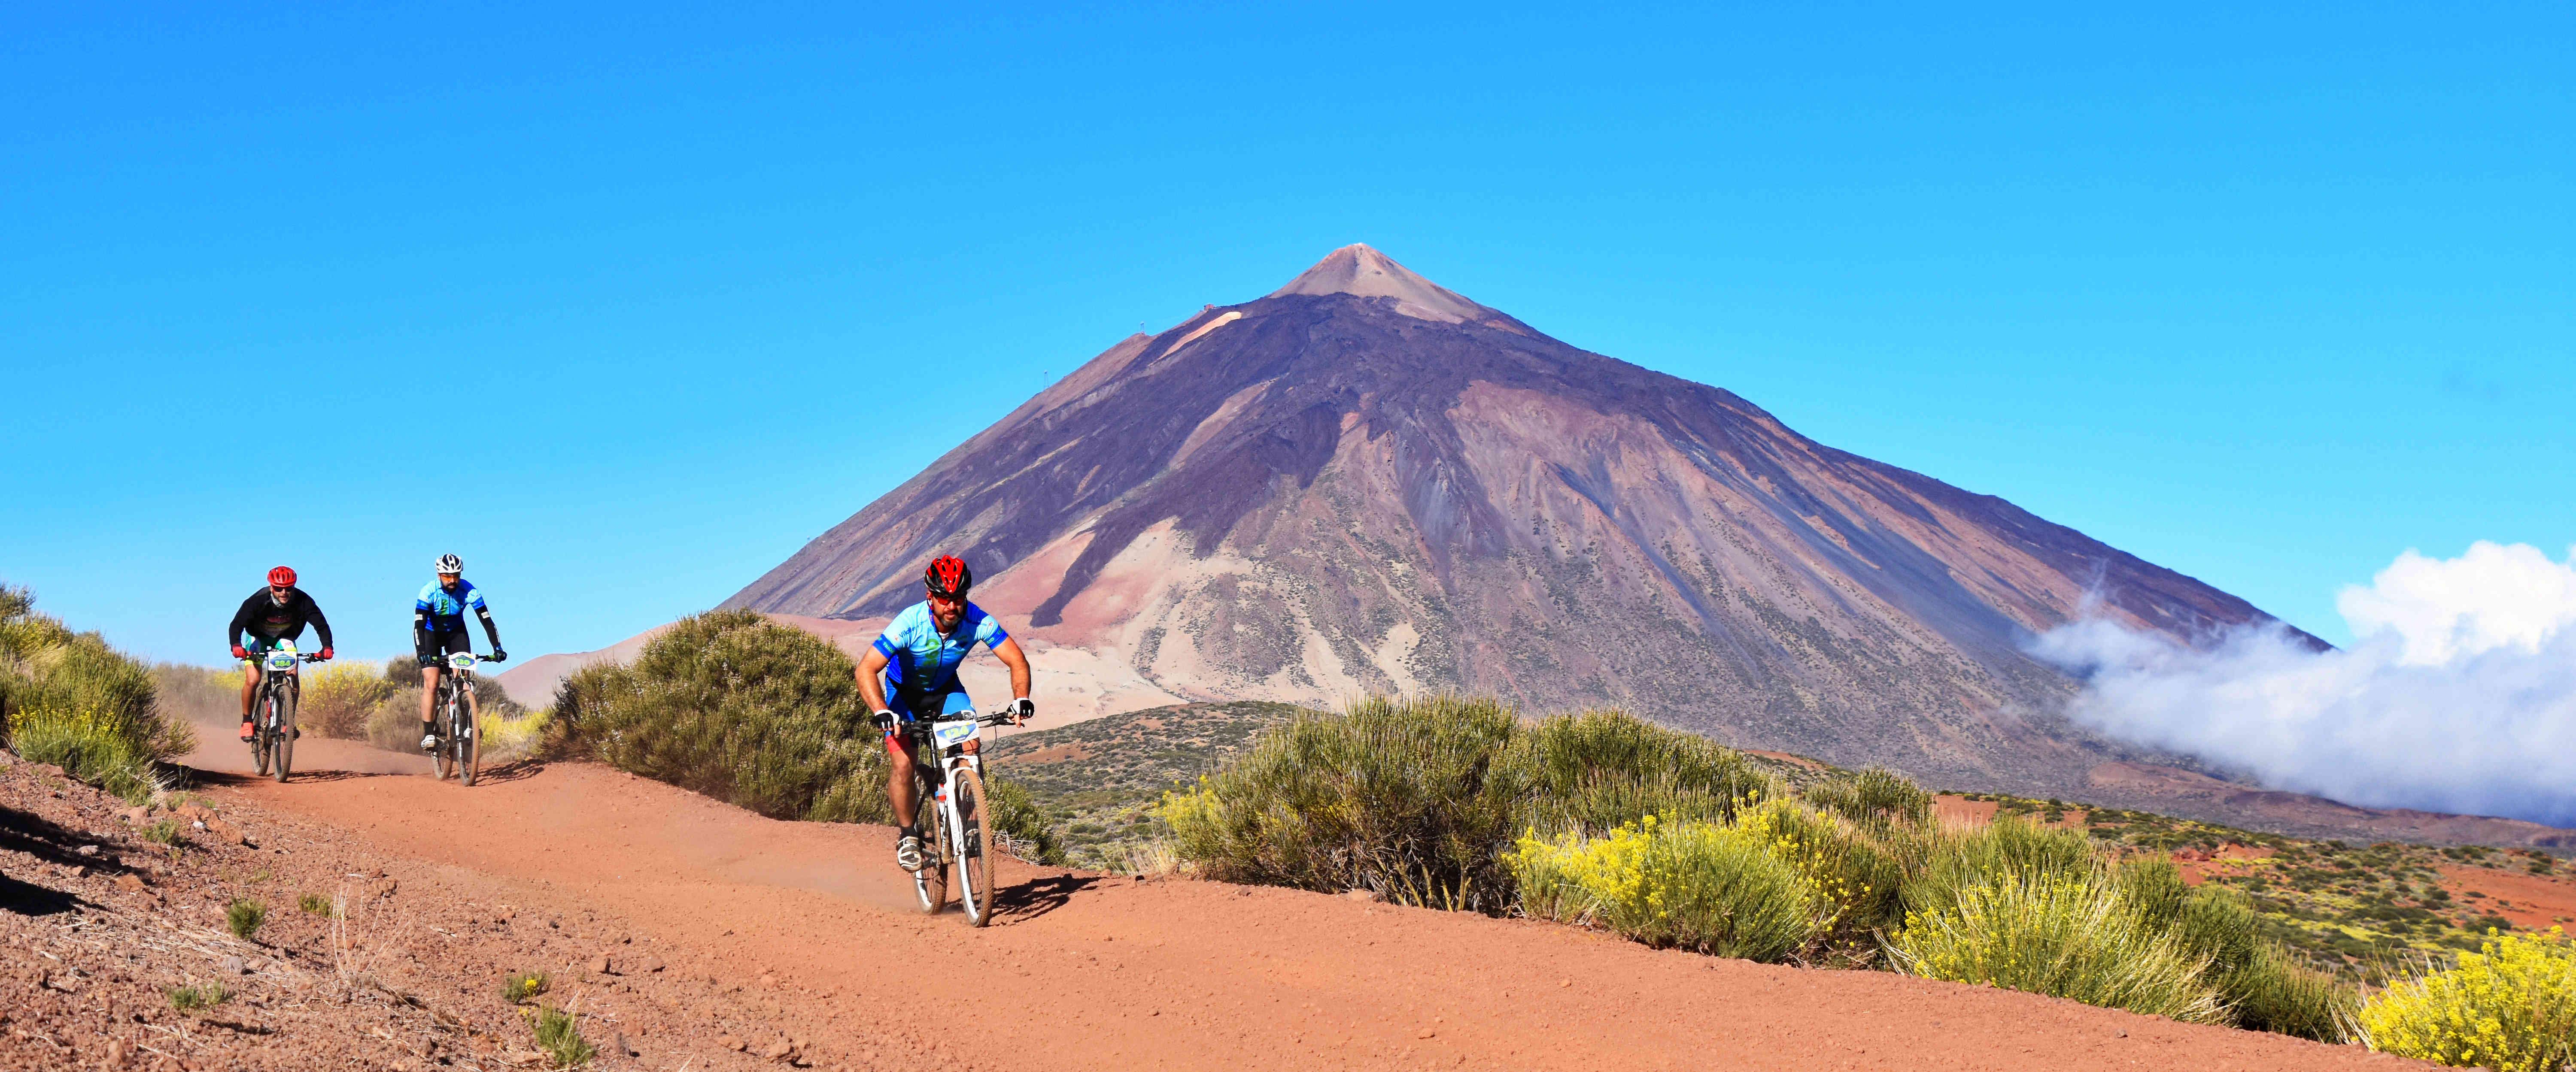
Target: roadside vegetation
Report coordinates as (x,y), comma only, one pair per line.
(1599,819)
(765,716)
(70,700)
(2510,1006)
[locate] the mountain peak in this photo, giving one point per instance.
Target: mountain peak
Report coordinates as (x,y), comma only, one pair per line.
(1359,270)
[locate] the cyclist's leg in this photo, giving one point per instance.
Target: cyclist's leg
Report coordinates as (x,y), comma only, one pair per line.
(900,796)
(251,675)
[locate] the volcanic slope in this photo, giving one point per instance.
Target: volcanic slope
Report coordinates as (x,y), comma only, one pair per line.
(1365,481)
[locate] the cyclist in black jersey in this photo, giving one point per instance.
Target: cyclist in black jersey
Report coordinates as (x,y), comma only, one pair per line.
(277,612)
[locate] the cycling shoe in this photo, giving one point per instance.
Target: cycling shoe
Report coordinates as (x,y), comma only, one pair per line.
(907,853)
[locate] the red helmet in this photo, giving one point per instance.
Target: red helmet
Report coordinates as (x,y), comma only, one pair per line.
(948,577)
(282,575)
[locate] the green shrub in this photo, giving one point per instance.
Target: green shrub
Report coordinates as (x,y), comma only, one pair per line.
(1598,770)
(1418,799)
(2510,1006)
(1950,861)
(197,998)
(314,904)
(1705,887)
(2061,932)
(1415,800)
(1877,799)
(70,700)
(559,1038)
(1854,872)
(733,706)
(89,745)
(243,917)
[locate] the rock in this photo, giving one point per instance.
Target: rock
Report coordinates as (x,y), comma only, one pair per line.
(649,964)
(1425,1033)
(768,982)
(117,1051)
(130,883)
(729,1042)
(135,816)
(602,965)
(1361,895)
(225,832)
(194,812)
(777,1051)
(87,850)
(234,966)
(386,888)
(624,1046)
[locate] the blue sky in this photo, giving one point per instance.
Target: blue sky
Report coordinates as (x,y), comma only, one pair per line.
(625,304)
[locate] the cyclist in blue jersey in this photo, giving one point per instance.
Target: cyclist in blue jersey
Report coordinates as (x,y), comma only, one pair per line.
(438,630)
(911,673)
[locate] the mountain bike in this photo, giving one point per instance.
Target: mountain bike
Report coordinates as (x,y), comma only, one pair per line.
(959,830)
(273,733)
(460,743)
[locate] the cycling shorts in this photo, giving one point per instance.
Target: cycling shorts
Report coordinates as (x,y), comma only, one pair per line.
(439,646)
(951,704)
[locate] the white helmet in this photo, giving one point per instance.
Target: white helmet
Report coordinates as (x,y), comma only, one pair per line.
(449,564)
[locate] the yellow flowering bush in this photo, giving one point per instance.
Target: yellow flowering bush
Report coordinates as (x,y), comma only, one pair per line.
(1722,889)
(2510,1006)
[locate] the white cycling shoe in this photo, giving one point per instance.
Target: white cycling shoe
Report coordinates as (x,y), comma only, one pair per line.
(907,853)
(429,742)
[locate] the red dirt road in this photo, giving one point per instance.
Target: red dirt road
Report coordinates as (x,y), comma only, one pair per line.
(1084,972)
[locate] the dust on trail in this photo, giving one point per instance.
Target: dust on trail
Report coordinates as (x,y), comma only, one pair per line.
(1082,971)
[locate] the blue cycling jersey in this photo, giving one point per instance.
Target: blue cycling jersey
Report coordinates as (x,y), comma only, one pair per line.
(446,610)
(921,661)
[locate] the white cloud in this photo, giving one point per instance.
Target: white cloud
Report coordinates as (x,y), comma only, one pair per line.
(2459,696)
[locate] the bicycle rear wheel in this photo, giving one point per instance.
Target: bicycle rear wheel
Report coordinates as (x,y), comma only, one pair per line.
(931,882)
(974,844)
(282,739)
(260,733)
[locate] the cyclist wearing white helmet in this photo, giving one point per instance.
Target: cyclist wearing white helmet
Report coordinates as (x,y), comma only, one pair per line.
(438,629)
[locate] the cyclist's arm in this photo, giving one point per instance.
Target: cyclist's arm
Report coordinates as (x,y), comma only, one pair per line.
(872,680)
(1009,652)
(419,624)
(491,632)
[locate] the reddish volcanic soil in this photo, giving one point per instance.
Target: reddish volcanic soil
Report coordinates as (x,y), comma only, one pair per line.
(774,929)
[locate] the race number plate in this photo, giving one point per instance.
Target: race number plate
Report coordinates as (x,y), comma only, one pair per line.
(952,734)
(281,660)
(461,660)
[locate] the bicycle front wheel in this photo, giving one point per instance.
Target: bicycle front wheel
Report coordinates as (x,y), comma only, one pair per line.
(438,757)
(974,838)
(469,749)
(261,733)
(931,882)
(282,739)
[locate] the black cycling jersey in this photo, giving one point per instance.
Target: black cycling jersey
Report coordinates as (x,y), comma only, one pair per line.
(262,616)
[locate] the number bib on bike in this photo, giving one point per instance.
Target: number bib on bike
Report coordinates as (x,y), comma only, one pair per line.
(952,734)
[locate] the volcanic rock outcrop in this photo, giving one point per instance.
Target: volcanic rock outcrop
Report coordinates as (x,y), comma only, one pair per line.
(1365,481)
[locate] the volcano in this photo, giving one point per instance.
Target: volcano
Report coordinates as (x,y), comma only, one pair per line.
(1364,481)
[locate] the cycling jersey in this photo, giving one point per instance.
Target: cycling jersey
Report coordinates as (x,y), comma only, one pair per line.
(921,662)
(268,621)
(445,610)
(439,615)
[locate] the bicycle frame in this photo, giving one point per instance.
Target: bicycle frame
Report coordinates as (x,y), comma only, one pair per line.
(458,735)
(953,836)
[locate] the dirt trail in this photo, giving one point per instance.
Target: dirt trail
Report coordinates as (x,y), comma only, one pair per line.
(1085,972)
